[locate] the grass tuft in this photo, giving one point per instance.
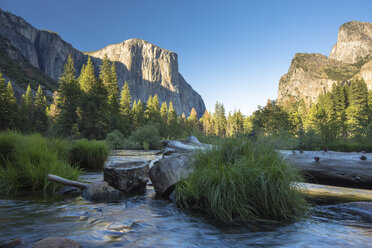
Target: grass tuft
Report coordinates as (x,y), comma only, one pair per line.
(240,181)
(88,154)
(27,159)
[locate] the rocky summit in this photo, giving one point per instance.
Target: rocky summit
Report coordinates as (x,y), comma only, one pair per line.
(40,56)
(311,74)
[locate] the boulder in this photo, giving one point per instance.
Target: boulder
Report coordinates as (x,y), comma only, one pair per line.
(169,170)
(13,243)
(129,177)
(193,139)
(56,242)
(102,192)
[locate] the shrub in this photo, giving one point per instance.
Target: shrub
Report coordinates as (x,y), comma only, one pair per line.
(115,140)
(26,161)
(147,137)
(89,154)
(238,180)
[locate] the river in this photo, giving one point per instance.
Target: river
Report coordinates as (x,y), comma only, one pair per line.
(146,221)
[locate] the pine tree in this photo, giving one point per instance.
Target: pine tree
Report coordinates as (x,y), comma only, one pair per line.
(173,127)
(220,119)
(192,121)
(138,114)
(357,112)
(14,116)
(4,109)
(109,79)
(152,111)
(125,110)
(26,111)
(93,111)
(40,119)
(67,101)
(207,123)
(164,112)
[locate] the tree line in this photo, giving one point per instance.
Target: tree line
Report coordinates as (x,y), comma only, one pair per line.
(89,107)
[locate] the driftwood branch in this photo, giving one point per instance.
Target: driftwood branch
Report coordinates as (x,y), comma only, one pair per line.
(67,182)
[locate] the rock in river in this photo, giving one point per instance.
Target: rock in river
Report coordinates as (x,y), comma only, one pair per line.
(129,177)
(56,242)
(101,191)
(167,171)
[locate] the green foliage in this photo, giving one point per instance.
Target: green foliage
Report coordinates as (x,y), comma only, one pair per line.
(40,119)
(88,154)
(239,181)
(144,137)
(26,110)
(115,140)
(27,160)
(67,100)
(9,114)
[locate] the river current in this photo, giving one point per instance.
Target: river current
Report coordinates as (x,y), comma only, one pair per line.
(146,221)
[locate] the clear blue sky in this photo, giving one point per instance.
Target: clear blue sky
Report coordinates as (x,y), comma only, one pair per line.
(233,52)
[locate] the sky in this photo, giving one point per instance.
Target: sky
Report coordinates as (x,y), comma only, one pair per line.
(233,52)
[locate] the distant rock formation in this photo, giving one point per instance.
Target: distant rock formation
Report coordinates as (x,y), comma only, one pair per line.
(311,74)
(148,69)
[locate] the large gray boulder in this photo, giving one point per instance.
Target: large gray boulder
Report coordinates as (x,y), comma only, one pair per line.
(169,170)
(102,192)
(56,242)
(129,177)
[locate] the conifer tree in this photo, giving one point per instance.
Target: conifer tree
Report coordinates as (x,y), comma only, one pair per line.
(207,123)
(12,105)
(67,100)
(26,110)
(357,112)
(4,109)
(152,111)
(173,127)
(164,112)
(93,108)
(109,79)
(192,121)
(125,110)
(220,119)
(138,114)
(40,119)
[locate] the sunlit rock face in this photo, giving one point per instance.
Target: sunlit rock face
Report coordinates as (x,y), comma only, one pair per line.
(311,74)
(148,69)
(354,42)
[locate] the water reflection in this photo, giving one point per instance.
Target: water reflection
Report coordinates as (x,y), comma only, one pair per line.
(145,221)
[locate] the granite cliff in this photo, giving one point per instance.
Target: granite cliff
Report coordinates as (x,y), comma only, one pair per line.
(311,74)
(148,69)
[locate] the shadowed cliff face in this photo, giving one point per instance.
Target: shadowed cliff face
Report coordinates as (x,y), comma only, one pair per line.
(148,69)
(312,74)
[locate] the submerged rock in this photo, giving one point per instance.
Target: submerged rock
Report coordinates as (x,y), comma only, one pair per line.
(169,170)
(56,242)
(13,243)
(129,177)
(101,191)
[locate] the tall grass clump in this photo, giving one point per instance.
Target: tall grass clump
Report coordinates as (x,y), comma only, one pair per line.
(239,181)
(88,154)
(26,160)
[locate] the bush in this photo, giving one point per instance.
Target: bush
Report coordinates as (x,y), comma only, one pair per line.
(239,180)
(145,137)
(89,154)
(27,159)
(115,140)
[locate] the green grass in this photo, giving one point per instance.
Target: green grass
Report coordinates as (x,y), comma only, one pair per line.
(26,160)
(239,181)
(88,154)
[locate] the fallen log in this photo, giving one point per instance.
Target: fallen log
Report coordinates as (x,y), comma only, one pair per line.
(66,182)
(333,193)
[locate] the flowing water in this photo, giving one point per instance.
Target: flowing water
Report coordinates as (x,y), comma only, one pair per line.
(146,221)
